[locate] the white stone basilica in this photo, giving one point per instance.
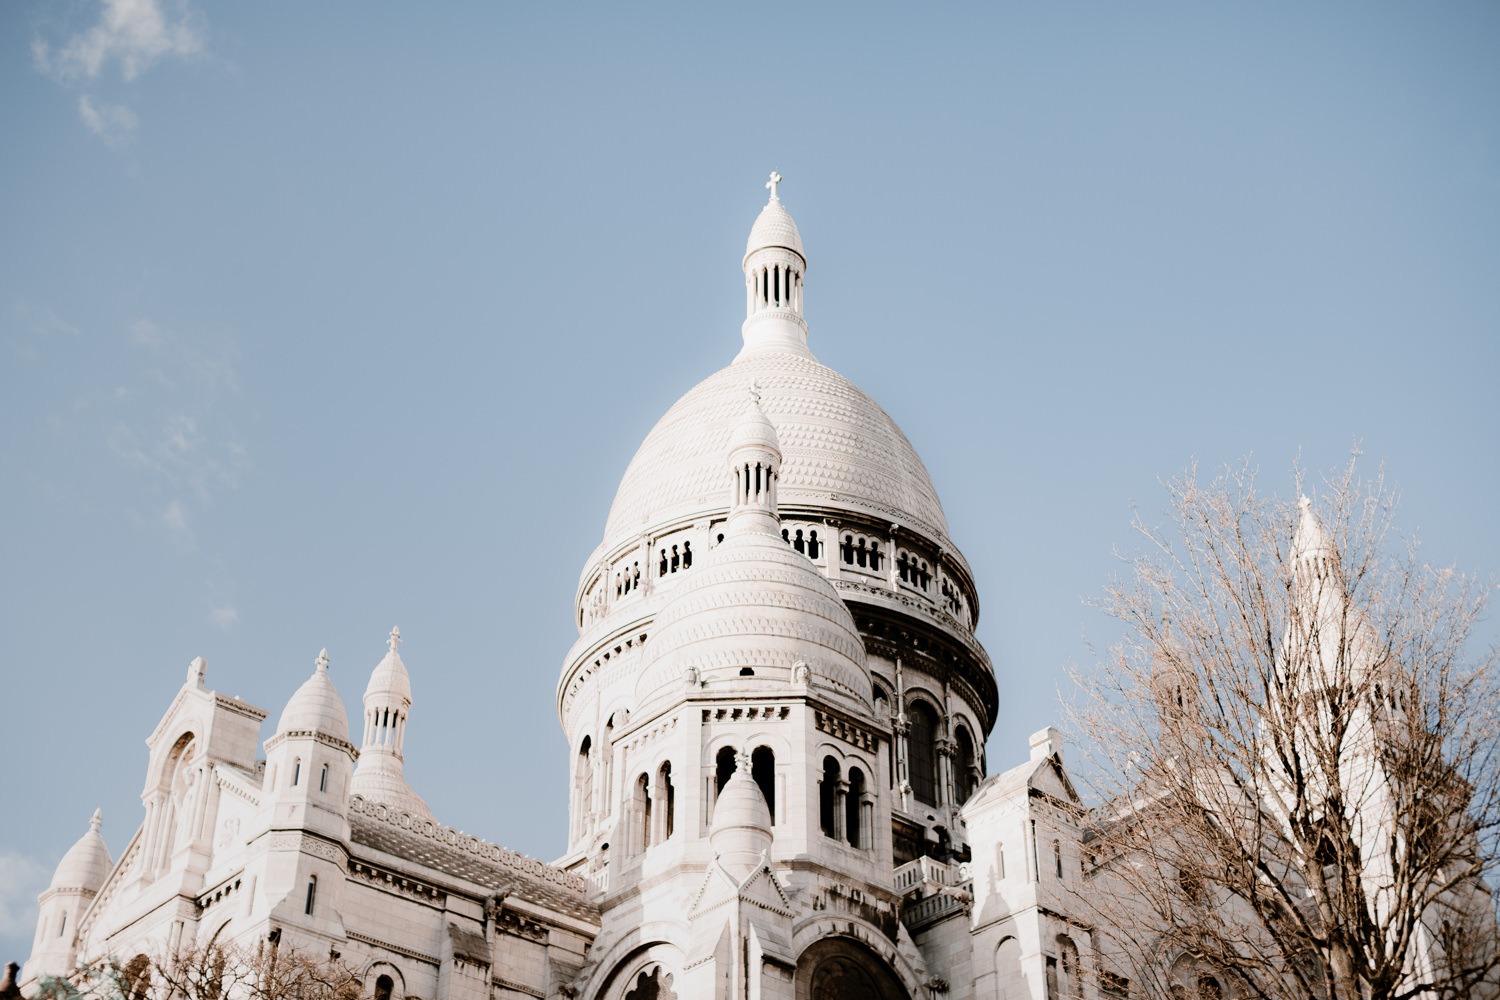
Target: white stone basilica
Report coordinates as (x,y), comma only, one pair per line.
(776,708)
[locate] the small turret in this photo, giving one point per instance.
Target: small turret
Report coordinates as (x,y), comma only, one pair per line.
(309,760)
(79,877)
(774,266)
(380,776)
(741,830)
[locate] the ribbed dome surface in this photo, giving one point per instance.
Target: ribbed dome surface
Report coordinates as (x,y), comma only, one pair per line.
(774,228)
(757,604)
(390,677)
(838,447)
(316,707)
(86,864)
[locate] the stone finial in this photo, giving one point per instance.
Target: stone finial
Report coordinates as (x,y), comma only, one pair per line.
(196,670)
(742,760)
(1046,743)
(322,661)
(771,185)
(395,639)
(96,821)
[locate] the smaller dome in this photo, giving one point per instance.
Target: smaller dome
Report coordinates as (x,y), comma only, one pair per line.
(390,676)
(754,430)
(741,828)
(87,863)
(316,707)
(774,228)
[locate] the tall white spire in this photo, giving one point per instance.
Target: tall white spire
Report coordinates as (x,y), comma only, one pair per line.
(380,775)
(774,266)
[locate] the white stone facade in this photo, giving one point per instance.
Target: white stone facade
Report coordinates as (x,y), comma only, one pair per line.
(776,708)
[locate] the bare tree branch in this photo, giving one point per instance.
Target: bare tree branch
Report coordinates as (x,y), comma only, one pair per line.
(1314,805)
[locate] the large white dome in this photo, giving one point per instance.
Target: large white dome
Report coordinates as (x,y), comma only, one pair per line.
(839,449)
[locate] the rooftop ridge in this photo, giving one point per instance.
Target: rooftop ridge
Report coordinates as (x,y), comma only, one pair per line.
(482,849)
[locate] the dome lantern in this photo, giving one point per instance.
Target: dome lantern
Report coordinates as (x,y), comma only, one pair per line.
(774,266)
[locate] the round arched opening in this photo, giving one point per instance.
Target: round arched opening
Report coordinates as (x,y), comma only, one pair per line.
(844,969)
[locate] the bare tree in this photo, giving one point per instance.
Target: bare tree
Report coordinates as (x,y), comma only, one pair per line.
(1305,798)
(211,972)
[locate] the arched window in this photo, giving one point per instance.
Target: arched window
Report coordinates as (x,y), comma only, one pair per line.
(1057,857)
(296,772)
(922,747)
(384,987)
(723,767)
(136,978)
(853,805)
(828,792)
(967,765)
(312,894)
(323,779)
(643,811)
(1209,988)
(1072,971)
(583,782)
(667,796)
(763,770)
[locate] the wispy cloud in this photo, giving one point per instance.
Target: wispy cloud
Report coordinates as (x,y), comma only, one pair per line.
(176,522)
(225,617)
(131,34)
(21,879)
(35,326)
(114,123)
(134,33)
(171,422)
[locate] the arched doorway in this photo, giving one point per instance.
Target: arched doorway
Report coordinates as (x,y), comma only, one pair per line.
(844,969)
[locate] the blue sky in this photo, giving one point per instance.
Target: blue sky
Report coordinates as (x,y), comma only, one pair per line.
(320,319)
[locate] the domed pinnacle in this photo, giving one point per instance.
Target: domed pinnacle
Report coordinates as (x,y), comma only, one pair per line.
(774,265)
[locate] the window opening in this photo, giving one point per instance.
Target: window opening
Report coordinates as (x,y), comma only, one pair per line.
(763,770)
(923,752)
(828,797)
(312,894)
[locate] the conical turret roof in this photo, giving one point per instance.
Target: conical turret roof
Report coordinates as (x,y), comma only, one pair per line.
(87,863)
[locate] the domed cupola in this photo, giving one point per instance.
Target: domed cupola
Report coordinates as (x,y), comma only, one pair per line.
(741,832)
(87,862)
(79,877)
(774,267)
(316,706)
(756,613)
(379,776)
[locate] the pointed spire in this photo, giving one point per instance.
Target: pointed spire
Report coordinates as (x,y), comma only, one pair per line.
(379,776)
(754,457)
(1313,553)
(316,706)
(774,266)
(741,832)
(96,821)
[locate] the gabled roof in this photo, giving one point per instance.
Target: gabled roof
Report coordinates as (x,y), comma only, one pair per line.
(446,850)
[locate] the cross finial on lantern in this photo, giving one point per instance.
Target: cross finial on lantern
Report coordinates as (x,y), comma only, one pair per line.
(395,639)
(771,184)
(322,661)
